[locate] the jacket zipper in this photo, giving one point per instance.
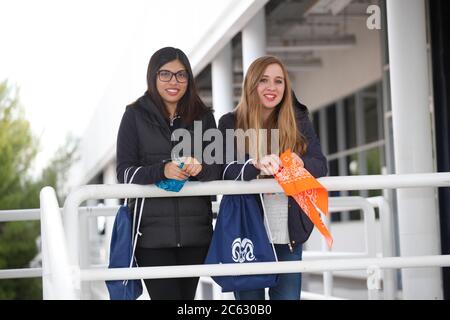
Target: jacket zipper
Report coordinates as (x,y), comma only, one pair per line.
(171,120)
(177,206)
(177,223)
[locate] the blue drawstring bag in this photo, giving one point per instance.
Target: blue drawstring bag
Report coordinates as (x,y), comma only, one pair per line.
(240,237)
(172,184)
(122,248)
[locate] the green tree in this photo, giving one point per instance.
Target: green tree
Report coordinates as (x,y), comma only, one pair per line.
(18,149)
(56,172)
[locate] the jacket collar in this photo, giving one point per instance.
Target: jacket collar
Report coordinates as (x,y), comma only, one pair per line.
(146,103)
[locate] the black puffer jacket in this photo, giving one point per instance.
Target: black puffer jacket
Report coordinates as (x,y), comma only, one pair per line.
(299,225)
(144,139)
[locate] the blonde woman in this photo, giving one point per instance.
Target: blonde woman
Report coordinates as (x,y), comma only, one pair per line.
(267,102)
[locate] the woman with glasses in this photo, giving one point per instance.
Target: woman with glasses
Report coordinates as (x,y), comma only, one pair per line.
(268,103)
(175,230)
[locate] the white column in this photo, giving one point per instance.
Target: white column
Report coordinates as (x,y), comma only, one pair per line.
(254,39)
(417,208)
(222,82)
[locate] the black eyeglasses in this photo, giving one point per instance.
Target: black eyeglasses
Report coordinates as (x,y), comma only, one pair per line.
(166,75)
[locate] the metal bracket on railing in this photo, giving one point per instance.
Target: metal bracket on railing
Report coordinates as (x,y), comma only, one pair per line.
(374,281)
(76,277)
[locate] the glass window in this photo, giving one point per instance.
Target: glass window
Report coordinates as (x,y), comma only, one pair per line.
(373,158)
(386,88)
(336,216)
(353,170)
(355,215)
(352,165)
(332,129)
(373,161)
(350,122)
(370,119)
(390,148)
(333,168)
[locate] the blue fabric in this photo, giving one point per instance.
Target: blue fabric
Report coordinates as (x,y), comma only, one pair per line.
(289,284)
(240,237)
(120,254)
(172,184)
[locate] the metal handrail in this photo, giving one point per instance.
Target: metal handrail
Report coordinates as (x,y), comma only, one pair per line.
(232,269)
(375,182)
(20,215)
(58,280)
(35,215)
(336,204)
(260,186)
(20,273)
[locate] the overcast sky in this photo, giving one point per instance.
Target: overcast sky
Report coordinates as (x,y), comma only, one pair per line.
(63,54)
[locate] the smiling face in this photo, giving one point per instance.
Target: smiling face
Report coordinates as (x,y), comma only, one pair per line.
(171,92)
(271,87)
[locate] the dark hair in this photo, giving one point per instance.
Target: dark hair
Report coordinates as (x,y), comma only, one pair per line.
(190,107)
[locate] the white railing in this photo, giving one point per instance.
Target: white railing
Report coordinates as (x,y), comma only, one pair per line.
(35,215)
(372,265)
(58,278)
(336,204)
(20,215)
(387,243)
(20,273)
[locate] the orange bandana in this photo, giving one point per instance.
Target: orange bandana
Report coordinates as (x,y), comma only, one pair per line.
(311,196)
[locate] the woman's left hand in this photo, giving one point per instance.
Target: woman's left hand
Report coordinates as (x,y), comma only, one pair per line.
(191,166)
(297,158)
(269,164)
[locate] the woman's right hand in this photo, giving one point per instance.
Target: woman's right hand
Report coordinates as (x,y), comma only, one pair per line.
(269,165)
(172,171)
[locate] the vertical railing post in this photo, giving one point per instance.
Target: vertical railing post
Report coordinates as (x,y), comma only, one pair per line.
(327,275)
(57,276)
(388,244)
(374,282)
(83,219)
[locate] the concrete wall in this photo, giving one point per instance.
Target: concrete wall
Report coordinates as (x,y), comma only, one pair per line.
(344,71)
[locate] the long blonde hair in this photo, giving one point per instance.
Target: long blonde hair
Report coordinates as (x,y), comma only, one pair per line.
(249,116)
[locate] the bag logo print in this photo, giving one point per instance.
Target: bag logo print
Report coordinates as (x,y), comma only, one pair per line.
(242,250)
